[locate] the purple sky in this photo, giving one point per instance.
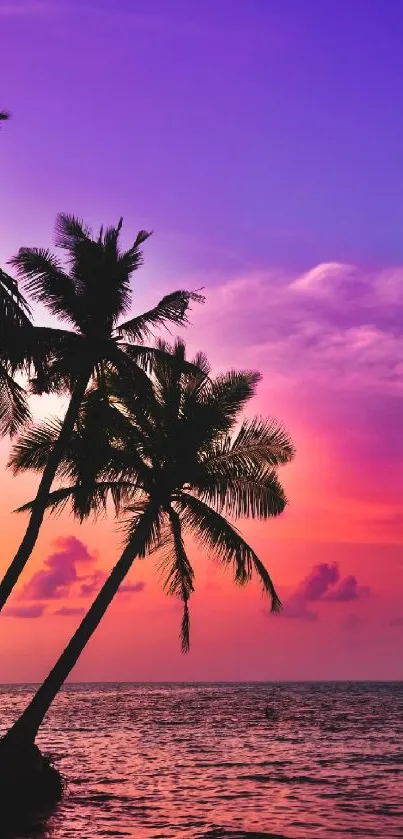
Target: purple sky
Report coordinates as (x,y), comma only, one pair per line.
(241,131)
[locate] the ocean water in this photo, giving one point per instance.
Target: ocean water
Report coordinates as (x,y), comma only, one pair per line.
(201,761)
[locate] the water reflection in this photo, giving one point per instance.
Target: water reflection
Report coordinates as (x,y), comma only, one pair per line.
(205,760)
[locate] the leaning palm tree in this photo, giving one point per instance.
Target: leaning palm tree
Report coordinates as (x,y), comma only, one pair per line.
(175,464)
(90,297)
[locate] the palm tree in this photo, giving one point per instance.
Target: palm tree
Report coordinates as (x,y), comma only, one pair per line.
(4,115)
(175,464)
(90,296)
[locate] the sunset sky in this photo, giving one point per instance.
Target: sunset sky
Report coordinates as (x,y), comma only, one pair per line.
(262,142)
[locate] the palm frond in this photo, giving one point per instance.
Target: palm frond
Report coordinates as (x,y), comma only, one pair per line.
(262,441)
(91,497)
(216,534)
(259,445)
(179,577)
(86,501)
(171,309)
(201,362)
(56,501)
(230,392)
(14,309)
(53,358)
(150,518)
(151,359)
(33,447)
(131,260)
(185,628)
(255,492)
(101,272)
(14,410)
(70,231)
(44,279)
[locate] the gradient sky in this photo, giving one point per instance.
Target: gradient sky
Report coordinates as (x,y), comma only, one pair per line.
(262,142)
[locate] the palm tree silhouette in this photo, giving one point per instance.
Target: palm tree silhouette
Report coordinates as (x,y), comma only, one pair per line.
(175,464)
(91,296)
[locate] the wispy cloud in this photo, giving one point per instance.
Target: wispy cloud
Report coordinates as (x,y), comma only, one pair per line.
(346,591)
(337,323)
(92,583)
(132,588)
(34,610)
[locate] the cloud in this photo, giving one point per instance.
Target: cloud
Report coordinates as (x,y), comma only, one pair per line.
(35,610)
(55,581)
(92,583)
(296,609)
(347,590)
(69,611)
(325,279)
(323,585)
(317,583)
(68,572)
(337,324)
(132,588)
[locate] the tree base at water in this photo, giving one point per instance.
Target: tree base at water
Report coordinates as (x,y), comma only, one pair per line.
(29,784)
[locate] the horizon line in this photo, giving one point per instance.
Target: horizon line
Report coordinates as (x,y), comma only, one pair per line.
(211,682)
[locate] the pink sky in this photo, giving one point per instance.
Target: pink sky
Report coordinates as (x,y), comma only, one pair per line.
(261,141)
(335,554)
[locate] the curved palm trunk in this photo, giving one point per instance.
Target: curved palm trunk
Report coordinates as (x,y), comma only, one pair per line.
(39,505)
(25,729)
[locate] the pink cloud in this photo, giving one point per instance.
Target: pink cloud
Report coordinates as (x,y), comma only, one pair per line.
(322,585)
(69,611)
(334,319)
(35,610)
(132,588)
(348,589)
(315,586)
(60,573)
(92,583)
(67,572)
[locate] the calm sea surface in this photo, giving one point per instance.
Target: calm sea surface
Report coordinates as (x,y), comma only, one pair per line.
(187,760)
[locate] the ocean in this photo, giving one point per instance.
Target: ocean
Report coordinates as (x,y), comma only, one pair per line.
(202,761)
